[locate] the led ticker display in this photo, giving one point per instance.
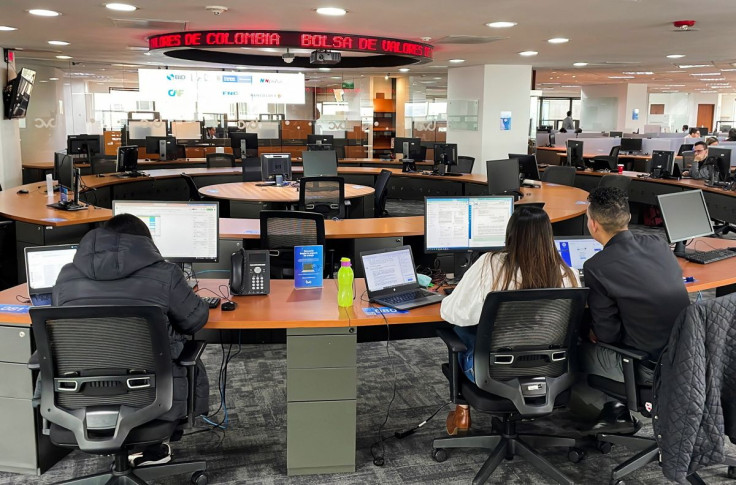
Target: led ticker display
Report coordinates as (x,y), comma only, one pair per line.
(299,40)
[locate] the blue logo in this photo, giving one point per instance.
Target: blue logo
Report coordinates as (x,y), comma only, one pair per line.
(175,92)
(175,77)
(237,79)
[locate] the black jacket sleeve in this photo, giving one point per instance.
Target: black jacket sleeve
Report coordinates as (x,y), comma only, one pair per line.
(187,312)
(604,311)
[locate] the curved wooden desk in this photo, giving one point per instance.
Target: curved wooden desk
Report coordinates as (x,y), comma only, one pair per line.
(252,192)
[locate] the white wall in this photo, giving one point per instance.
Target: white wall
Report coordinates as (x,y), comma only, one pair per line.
(465,83)
(636,98)
(603,107)
(10,158)
(45,127)
(675,111)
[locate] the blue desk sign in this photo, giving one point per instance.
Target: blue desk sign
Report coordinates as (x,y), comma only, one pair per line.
(377,311)
(14,308)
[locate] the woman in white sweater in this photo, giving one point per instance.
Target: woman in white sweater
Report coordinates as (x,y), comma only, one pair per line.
(529,260)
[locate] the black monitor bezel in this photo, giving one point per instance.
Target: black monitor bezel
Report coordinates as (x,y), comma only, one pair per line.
(721,158)
(265,175)
(631,144)
(440,148)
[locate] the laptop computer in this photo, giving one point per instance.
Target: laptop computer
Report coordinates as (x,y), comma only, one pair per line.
(43,264)
(576,250)
(392,280)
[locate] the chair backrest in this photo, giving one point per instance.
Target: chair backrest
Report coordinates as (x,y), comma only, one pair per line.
(527,337)
(619,181)
(251,169)
(614,152)
(465,164)
(559,174)
(282,230)
(381,195)
(220,160)
(193,189)
(325,195)
(104,370)
(103,165)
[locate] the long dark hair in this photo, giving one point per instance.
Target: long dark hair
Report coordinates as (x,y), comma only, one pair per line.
(530,252)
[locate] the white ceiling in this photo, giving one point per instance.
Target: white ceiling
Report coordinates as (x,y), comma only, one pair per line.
(613,36)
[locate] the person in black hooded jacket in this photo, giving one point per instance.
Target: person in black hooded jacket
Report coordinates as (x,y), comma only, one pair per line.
(119,264)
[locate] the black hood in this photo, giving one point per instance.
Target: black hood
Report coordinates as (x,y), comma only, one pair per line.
(106,255)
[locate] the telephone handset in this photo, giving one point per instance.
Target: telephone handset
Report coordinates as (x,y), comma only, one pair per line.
(251,272)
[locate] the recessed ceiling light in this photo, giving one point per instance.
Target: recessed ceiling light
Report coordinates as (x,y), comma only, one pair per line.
(44,13)
(404,69)
(5,28)
(332,11)
(53,79)
(121,7)
(558,40)
(528,53)
(43,81)
(325,69)
(580,64)
(501,24)
(58,42)
(335,77)
(692,66)
(620,77)
(706,74)
(674,85)
(457,61)
(712,79)
(675,56)
(64,57)
(639,73)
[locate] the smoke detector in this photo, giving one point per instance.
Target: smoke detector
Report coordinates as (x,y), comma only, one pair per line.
(684,25)
(216,9)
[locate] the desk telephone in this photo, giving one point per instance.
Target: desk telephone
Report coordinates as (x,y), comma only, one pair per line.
(251,272)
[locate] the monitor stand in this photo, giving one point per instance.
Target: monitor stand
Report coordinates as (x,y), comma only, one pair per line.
(463,262)
(680,249)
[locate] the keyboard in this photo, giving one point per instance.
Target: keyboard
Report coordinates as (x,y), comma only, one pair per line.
(404,297)
(212,301)
(705,257)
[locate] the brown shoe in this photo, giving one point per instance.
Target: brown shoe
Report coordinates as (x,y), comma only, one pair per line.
(458,420)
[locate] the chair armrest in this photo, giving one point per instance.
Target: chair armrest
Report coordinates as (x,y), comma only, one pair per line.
(625,351)
(191,353)
(347,202)
(5,223)
(453,342)
(33,363)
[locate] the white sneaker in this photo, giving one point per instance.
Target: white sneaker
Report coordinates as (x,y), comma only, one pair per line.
(153,455)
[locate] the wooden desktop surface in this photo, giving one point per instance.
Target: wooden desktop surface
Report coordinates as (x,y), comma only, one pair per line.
(342,229)
(563,153)
(253,192)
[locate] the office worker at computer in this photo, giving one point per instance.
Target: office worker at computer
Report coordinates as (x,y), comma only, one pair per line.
(636,292)
(118,264)
(210,133)
(731,135)
(699,169)
(567,123)
(692,133)
(529,260)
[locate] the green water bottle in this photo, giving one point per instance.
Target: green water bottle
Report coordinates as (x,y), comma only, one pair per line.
(345,283)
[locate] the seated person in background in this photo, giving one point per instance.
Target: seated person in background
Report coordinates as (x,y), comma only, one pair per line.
(711,141)
(700,169)
(530,260)
(693,133)
(118,264)
(209,134)
(731,135)
(636,293)
(684,128)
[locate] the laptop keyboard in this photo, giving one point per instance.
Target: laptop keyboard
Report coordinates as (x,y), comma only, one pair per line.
(405,297)
(43,299)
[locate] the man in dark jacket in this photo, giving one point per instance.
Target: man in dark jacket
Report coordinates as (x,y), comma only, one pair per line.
(119,264)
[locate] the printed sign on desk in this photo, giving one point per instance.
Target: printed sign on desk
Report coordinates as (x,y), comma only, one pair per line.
(378,311)
(308,264)
(14,308)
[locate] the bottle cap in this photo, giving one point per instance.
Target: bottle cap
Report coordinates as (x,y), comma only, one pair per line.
(345,262)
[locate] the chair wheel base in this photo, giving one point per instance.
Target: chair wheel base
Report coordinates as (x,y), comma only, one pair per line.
(199,478)
(616,482)
(604,447)
(576,455)
(439,455)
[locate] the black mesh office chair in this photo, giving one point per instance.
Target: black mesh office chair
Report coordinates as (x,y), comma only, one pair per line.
(379,209)
(282,230)
(606,163)
(252,169)
(106,378)
(619,181)
(220,160)
(193,189)
(522,366)
(103,165)
(325,195)
(559,174)
(465,164)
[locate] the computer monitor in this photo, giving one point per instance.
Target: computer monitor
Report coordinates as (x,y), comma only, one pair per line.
(725,128)
(316,147)
(409,147)
(182,231)
(527,165)
(320,139)
(685,147)
(703,131)
(251,169)
(64,170)
(616,134)
(544,128)
(273,164)
(445,154)
(186,130)
(575,153)
(631,144)
(89,145)
(154,146)
(685,216)
(322,163)
(721,158)
(127,160)
(662,163)
(237,138)
(503,176)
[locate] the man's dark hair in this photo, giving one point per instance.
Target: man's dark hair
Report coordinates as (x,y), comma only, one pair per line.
(700,143)
(569,113)
(609,207)
(128,224)
(694,130)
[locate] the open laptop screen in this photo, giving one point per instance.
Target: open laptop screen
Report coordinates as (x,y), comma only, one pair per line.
(44,263)
(576,251)
(389,269)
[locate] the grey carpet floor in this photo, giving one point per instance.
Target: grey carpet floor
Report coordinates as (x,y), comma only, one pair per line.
(253,448)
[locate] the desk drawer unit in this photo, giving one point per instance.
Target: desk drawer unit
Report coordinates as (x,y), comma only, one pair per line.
(321,400)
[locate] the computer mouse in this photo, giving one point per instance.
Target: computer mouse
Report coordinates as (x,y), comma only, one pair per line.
(22,191)
(228,306)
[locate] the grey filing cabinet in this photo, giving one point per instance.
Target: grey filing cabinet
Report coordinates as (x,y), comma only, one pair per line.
(321,393)
(23,447)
